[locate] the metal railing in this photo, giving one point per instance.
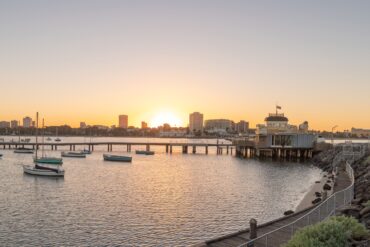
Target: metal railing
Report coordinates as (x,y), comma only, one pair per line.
(320,213)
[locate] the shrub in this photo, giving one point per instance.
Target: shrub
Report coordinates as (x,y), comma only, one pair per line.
(335,232)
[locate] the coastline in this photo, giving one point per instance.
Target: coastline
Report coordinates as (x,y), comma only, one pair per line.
(306,201)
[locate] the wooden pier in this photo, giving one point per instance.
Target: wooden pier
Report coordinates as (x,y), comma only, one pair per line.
(220,148)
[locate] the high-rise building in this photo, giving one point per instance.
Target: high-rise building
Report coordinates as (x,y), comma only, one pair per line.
(219,124)
(195,122)
(144,125)
(242,126)
(14,124)
(123,121)
(82,125)
(4,124)
(27,122)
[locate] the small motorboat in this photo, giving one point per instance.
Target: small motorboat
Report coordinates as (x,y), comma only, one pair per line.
(40,170)
(118,158)
(144,152)
(48,139)
(23,151)
(73,154)
(1,155)
(86,151)
(49,160)
(58,140)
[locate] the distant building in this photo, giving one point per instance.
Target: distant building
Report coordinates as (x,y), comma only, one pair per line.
(14,124)
(166,127)
(242,126)
(27,122)
(144,125)
(219,124)
(123,121)
(360,132)
(82,125)
(195,122)
(278,133)
(101,127)
(303,127)
(4,124)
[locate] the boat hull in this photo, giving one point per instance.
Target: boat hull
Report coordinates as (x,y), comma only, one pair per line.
(52,161)
(117,158)
(144,152)
(23,151)
(73,155)
(42,172)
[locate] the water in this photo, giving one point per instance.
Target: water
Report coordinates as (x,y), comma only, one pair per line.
(160,200)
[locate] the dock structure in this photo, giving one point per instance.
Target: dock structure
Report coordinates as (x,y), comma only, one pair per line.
(127,146)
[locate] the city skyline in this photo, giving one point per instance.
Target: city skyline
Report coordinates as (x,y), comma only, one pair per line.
(232,60)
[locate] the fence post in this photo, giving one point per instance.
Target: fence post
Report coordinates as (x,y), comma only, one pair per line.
(253,230)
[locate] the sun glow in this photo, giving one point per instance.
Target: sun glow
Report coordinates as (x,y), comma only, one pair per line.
(165,117)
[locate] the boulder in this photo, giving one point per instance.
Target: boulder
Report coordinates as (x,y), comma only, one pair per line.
(317,182)
(289,212)
(317,200)
(327,187)
(317,194)
(365,211)
(353,211)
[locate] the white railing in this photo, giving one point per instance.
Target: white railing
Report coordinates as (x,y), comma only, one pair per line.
(324,210)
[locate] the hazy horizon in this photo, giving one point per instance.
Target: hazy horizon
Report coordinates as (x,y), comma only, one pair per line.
(91,61)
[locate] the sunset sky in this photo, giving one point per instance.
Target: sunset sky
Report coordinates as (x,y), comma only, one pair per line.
(92,60)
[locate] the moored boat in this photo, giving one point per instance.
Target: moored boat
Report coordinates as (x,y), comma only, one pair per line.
(43,171)
(49,160)
(1,155)
(73,154)
(23,151)
(118,158)
(144,152)
(86,151)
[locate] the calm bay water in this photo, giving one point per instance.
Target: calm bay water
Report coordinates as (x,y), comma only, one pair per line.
(160,200)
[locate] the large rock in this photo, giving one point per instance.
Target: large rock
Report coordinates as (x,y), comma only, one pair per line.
(353,211)
(289,212)
(317,200)
(327,187)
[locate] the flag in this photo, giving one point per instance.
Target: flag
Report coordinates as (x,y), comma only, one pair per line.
(278,107)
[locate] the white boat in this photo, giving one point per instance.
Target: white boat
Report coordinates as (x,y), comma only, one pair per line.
(32,170)
(42,169)
(73,154)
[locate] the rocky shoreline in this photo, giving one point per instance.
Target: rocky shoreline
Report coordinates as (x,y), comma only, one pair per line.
(360,206)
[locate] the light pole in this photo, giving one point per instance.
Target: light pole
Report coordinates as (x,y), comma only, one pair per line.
(332,134)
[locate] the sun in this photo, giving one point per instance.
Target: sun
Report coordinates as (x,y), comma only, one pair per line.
(165,117)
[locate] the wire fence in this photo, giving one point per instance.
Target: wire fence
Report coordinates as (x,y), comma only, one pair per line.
(320,213)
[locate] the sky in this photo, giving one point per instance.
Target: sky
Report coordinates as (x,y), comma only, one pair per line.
(92,60)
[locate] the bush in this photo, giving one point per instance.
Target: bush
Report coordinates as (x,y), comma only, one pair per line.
(335,232)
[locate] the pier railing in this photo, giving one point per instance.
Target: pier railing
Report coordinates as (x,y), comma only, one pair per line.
(320,213)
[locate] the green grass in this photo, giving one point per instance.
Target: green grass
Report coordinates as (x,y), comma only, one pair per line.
(335,232)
